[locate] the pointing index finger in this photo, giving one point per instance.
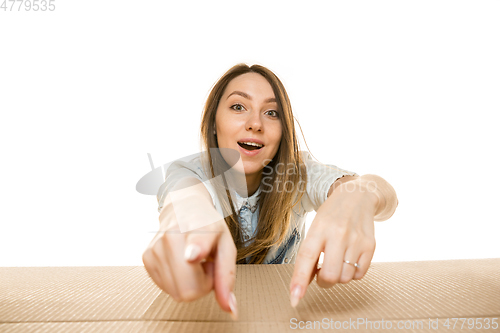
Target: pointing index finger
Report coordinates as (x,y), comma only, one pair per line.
(225,274)
(305,266)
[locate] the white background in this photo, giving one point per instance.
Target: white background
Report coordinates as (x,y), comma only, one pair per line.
(405,90)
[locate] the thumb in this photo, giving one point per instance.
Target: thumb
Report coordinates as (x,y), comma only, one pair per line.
(225,274)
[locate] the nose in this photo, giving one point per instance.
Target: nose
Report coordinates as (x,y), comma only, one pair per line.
(254,122)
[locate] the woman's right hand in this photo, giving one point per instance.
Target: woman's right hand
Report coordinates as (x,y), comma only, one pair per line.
(188,265)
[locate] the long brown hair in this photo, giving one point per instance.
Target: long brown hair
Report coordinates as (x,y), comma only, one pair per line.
(275,205)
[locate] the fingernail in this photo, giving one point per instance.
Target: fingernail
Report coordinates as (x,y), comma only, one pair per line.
(232,306)
(192,251)
(295,296)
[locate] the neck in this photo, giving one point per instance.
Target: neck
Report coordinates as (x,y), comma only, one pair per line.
(253,183)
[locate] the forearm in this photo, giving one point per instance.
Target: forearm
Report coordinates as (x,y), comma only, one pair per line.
(387,198)
(188,206)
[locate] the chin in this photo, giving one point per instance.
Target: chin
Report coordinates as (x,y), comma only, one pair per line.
(252,167)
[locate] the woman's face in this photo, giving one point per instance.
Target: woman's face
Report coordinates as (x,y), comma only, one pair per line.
(247,112)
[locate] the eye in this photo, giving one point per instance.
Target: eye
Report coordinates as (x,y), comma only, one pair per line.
(241,107)
(275,115)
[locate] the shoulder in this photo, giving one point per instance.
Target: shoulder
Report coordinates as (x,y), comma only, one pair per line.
(305,155)
(191,164)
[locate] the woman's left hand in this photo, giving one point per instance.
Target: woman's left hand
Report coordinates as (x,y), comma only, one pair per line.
(343,230)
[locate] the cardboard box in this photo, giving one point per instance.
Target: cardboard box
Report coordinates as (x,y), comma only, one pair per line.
(125,299)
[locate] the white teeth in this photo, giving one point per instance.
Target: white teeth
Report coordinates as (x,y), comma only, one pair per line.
(253,144)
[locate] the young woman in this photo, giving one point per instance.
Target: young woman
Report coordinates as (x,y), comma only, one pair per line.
(210,221)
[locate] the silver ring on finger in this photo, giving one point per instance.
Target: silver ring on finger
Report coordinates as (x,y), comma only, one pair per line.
(355,264)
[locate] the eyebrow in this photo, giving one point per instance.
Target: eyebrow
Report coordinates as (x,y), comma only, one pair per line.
(241,93)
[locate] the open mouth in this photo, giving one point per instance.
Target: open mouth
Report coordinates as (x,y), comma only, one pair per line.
(250,145)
